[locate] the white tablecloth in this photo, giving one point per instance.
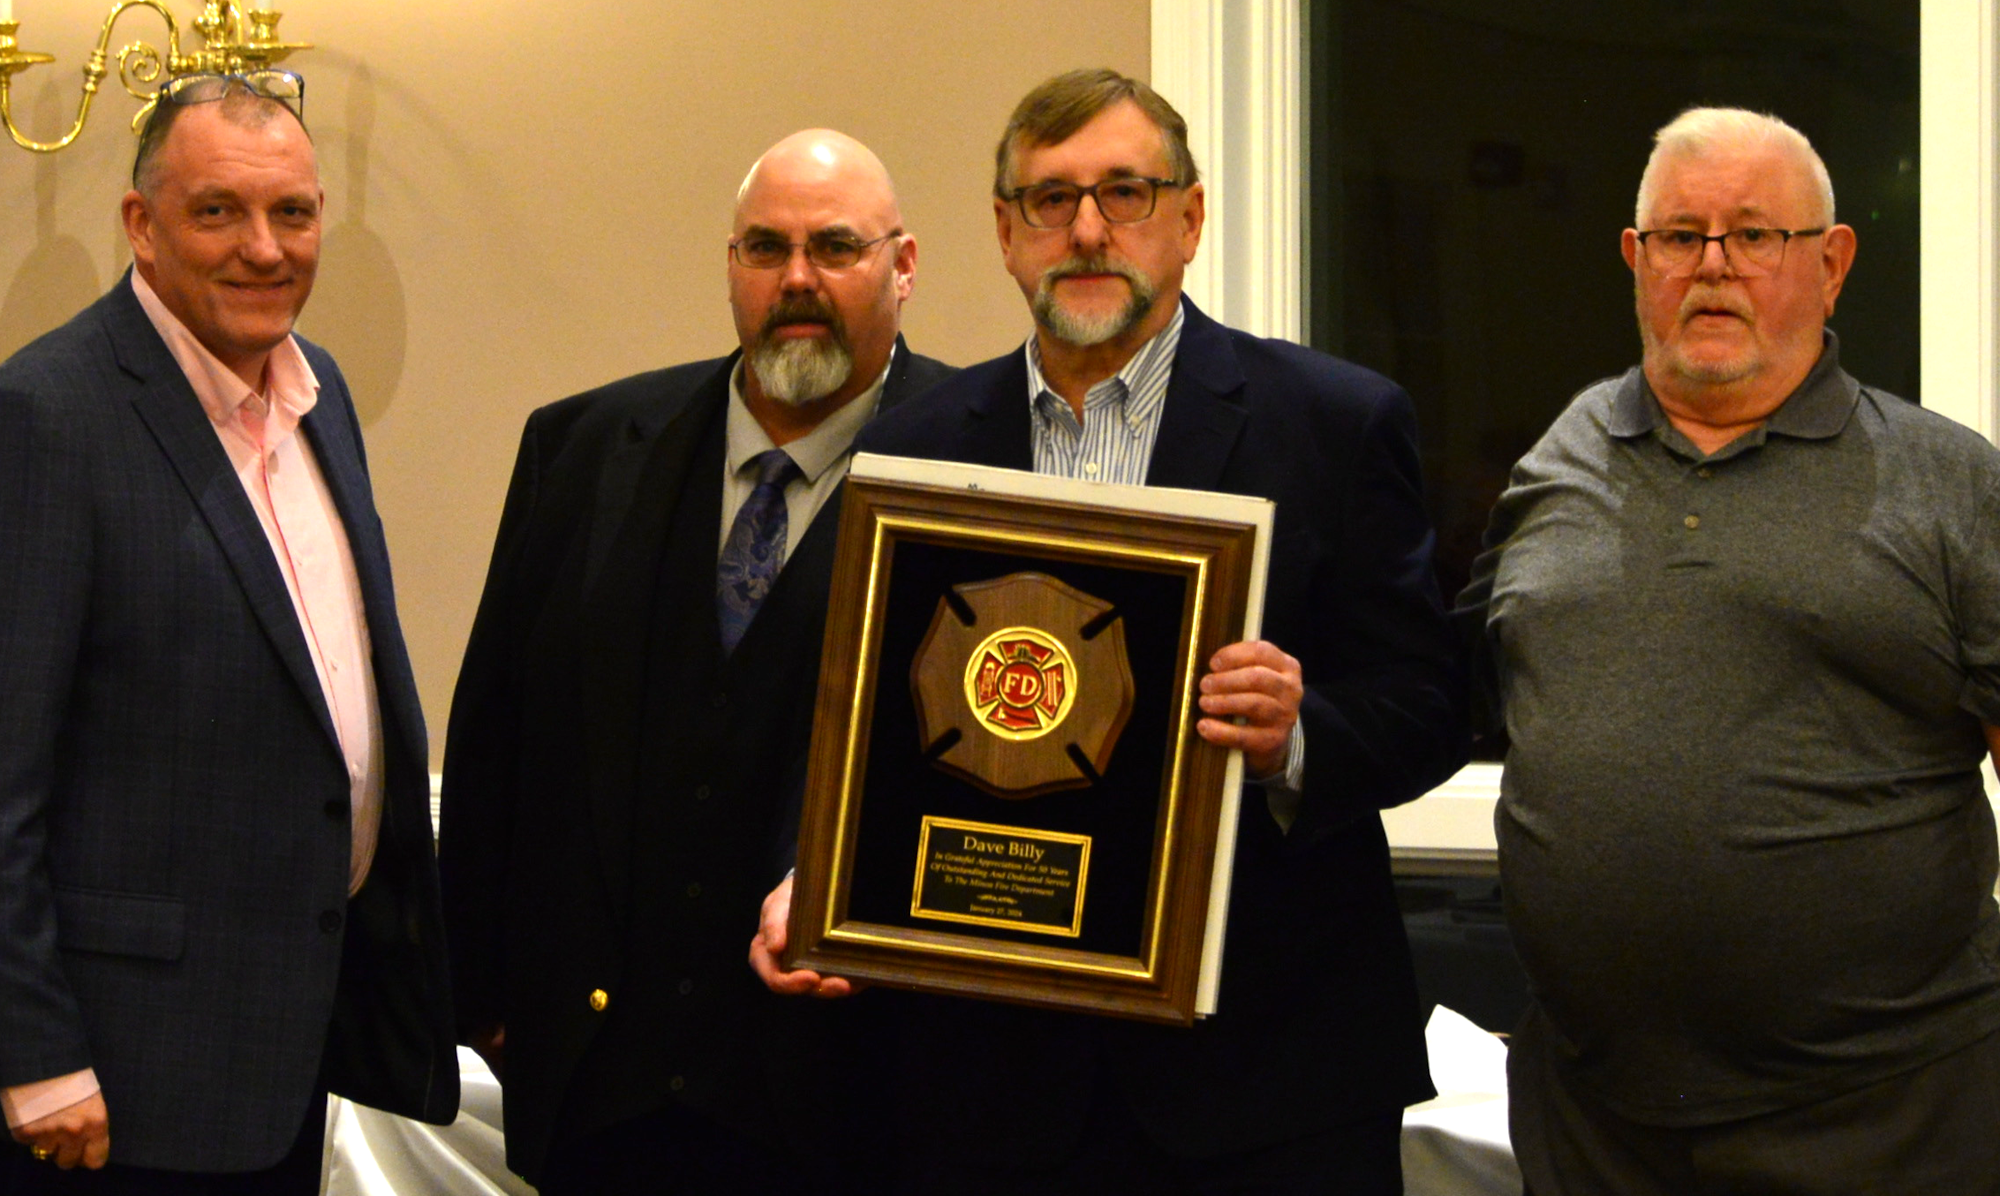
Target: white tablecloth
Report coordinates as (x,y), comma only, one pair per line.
(1456,1144)
(371,1153)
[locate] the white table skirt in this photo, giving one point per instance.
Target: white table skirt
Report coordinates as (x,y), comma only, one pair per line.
(372,1153)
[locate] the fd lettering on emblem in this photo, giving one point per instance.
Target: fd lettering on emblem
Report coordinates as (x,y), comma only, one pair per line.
(1020,683)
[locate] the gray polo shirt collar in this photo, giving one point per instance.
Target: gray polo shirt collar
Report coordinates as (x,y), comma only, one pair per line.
(1817,410)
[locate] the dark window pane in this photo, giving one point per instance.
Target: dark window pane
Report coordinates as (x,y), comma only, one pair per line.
(1474,162)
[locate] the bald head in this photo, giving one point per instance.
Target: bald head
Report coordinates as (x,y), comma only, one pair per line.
(828,160)
(818,304)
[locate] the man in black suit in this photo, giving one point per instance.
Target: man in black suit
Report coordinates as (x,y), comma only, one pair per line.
(629,734)
(1297,1083)
(216,881)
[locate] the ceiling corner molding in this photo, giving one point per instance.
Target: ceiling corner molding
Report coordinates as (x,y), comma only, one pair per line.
(1236,70)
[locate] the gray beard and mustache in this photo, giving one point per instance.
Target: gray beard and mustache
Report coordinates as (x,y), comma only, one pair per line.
(1075,328)
(797,372)
(1704,298)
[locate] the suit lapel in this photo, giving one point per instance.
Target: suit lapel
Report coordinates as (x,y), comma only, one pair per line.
(167,404)
(1203,414)
(329,429)
(999,429)
(638,494)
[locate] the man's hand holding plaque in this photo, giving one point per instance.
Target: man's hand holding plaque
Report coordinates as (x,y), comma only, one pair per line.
(768,948)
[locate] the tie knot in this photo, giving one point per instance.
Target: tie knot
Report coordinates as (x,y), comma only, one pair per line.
(775,467)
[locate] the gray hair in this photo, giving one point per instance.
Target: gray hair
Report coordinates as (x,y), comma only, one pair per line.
(1054,112)
(1701,130)
(240,107)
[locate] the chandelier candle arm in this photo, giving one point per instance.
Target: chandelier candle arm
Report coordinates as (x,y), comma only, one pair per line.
(233,39)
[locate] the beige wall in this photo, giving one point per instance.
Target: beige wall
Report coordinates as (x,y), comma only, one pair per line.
(527,200)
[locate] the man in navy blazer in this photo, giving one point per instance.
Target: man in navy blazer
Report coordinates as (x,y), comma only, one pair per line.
(628,743)
(1353,704)
(217,895)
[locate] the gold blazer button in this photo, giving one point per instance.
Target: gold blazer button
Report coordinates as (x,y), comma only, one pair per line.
(599,999)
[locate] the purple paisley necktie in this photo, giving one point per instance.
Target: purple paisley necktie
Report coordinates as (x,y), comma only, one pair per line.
(755,550)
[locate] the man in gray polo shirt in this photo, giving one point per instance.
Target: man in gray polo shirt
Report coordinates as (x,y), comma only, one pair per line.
(1741,615)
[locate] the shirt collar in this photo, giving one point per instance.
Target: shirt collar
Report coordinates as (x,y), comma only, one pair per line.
(291,387)
(1140,383)
(1818,409)
(816,451)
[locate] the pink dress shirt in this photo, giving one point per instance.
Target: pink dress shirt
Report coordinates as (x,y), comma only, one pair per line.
(308,540)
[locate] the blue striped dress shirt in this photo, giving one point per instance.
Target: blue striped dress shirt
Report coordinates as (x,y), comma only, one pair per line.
(1121,415)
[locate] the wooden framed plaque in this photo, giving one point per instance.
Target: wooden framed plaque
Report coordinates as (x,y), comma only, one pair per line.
(1007,797)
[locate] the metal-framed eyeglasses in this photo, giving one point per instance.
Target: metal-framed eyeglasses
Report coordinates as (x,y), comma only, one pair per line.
(1754,252)
(1126,199)
(827,250)
(206,87)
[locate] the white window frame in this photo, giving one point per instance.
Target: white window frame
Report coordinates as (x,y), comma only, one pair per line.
(1236,70)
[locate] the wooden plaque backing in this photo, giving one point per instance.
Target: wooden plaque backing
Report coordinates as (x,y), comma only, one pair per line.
(862,815)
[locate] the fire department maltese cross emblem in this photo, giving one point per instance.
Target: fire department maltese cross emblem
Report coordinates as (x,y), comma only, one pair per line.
(1022,685)
(1018,683)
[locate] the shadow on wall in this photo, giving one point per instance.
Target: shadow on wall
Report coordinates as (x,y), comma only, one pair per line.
(358,311)
(56,280)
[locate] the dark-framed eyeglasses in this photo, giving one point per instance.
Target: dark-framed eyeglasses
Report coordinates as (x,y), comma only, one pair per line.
(828,251)
(1754,252)
(206,87)
(1126,199)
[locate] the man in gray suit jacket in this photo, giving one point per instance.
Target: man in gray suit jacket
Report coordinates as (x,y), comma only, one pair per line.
(217,897)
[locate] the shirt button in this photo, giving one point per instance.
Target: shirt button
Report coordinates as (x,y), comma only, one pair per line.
(329,921)
(701,792)
(685,987)
(1090,467)
(677,1083)
(1691,522)
(1704,472)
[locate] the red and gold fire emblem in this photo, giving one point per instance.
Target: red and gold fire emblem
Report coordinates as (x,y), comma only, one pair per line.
(1020,682)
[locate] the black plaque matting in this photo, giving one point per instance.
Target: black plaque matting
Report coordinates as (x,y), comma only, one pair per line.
(1179,586)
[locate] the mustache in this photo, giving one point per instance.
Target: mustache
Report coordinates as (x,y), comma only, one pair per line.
(1098,264)
(802,309)
(1700,299)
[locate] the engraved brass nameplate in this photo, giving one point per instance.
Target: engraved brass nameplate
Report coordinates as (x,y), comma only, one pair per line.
(1001,876)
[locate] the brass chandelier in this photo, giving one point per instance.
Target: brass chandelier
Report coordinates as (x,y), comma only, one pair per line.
(233,39)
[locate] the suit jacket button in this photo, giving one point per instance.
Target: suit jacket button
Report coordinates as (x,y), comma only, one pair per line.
(677,1083)
(685,987)
(329,920)
(599,999)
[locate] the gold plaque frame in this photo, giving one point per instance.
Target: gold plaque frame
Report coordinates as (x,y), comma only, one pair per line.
(1156,974)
